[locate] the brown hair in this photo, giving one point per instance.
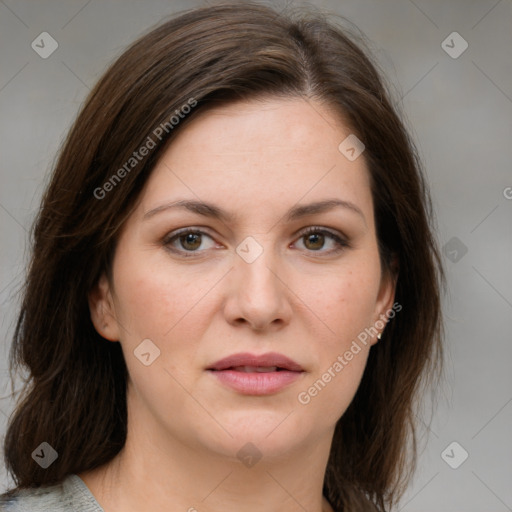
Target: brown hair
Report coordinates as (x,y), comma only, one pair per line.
(74,397)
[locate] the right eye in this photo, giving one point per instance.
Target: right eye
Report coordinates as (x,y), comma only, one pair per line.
(189,241)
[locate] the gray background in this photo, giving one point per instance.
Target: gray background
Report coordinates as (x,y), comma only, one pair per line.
(459,111)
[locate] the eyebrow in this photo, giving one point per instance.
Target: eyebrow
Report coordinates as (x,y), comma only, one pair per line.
(210,210)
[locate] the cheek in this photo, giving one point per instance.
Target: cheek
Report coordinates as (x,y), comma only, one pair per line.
(346,304)
(346,301)
(156,303)
(151,296)
(169,307)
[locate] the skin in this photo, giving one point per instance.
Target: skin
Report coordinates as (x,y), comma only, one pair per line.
(256,160)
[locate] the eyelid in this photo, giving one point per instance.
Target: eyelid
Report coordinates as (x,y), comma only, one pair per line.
(180,231)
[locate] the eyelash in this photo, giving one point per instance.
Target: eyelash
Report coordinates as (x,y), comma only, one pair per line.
(340,242)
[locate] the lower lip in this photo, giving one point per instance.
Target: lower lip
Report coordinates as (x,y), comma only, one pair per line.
(256,383)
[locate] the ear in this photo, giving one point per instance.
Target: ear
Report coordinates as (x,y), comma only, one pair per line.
(101,307)
(385,298)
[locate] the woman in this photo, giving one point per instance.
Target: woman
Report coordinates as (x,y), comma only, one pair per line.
(234,295)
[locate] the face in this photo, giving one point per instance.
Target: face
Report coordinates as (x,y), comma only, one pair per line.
(190,288)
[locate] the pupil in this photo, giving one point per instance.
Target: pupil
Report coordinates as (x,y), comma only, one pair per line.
(316,238)
(192,241)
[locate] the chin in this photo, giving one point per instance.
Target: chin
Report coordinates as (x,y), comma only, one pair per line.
(273,433)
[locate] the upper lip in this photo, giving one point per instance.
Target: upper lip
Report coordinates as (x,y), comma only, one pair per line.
(246,359)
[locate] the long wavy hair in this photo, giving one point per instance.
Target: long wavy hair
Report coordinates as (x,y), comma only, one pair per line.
(74,397)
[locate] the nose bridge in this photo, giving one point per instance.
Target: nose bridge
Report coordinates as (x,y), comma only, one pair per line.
(257,264)
(260,294)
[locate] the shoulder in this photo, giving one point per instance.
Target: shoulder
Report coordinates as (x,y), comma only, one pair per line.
(70,495)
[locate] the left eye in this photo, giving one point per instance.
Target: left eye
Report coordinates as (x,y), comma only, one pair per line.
(191,240)
(314,239)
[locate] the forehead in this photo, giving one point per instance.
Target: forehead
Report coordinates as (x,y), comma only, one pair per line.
(272,152)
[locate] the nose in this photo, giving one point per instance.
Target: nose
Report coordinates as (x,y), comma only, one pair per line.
(258,294)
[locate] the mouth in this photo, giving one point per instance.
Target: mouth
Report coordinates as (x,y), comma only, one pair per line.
(256,375)
(250,363)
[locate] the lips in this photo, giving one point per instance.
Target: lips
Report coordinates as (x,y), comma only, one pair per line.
(249,374)
(250,363)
